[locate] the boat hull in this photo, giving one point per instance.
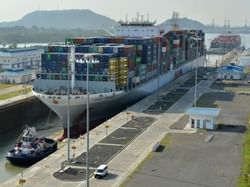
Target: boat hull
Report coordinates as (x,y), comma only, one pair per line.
(27,160)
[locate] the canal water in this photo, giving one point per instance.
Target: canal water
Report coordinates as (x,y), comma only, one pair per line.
(47,126)
(50,125)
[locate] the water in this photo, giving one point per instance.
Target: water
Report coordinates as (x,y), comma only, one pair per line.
(44,126)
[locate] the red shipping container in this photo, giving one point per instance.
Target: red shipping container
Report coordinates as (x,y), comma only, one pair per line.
(131,65)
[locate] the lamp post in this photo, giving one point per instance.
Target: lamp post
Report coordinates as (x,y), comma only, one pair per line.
(71,60)
(158,69)
(87,59)
(196,70)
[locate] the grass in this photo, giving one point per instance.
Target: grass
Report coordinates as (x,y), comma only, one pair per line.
(3,86)
(239,89)
(247,69)
(207,100)
(244,179)
(14,94)
(164,142)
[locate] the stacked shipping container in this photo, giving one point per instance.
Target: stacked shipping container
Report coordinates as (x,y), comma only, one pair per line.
(126,61)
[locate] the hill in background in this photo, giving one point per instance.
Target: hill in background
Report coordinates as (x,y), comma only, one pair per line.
(63,19)
(184,23)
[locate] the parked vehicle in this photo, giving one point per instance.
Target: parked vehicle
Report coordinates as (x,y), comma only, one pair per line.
(101,171)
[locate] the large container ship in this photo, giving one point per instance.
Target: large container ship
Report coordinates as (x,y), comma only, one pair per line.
(133,64)
(225,43)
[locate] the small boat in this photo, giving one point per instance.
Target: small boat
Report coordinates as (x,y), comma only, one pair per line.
(29,149)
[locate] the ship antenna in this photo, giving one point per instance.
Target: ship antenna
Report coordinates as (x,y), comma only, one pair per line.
(142,18)
(138,17)
(126,18)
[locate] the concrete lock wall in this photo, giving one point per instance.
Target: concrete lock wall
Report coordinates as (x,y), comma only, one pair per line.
(15,115)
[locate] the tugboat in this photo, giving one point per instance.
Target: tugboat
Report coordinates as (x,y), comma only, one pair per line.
(29,149)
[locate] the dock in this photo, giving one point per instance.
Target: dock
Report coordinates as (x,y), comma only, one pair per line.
(121,142)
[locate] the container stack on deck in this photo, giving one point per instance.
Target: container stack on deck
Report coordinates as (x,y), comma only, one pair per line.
(126,61)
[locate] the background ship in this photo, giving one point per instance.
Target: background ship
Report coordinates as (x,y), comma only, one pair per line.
(132,65)
(224,43)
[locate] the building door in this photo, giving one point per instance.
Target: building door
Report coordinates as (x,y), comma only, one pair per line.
(192,123)
(204,124)
(198,123)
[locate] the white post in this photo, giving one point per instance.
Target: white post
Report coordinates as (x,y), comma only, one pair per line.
(68,114)
(158,71)
(196,72)
(87,128)
(72,65)
(87,61)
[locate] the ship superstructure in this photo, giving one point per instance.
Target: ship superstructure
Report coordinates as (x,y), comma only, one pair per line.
(129,68)
(137,27)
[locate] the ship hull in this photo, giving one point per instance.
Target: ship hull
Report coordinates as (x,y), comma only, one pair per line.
(103,105)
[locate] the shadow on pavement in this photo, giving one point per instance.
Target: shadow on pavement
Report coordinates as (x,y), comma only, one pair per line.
(231,128)
(110,176)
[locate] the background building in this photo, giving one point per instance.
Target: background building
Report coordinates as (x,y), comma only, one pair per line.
(19,65)
(230,72)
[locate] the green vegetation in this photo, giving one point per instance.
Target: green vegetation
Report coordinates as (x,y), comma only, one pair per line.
(244,180)
(164,142)
(237,89)
(15,93)
(247,69)
(19,34)
(207,100)
(2,85)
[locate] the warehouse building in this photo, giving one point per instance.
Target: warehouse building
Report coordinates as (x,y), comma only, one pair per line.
(19,65)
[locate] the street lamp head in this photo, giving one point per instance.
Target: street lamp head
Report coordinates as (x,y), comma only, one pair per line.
(196,38)
(87,60)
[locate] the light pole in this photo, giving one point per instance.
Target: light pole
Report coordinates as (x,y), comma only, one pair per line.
(71,60)
(87,59)
(196,70)
(158,69)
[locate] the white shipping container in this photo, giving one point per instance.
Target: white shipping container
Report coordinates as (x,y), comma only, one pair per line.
(100,49)
(115,50)
(135,79)
(176,42)
(131,74)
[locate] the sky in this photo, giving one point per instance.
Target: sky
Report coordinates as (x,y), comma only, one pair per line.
(237,11)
